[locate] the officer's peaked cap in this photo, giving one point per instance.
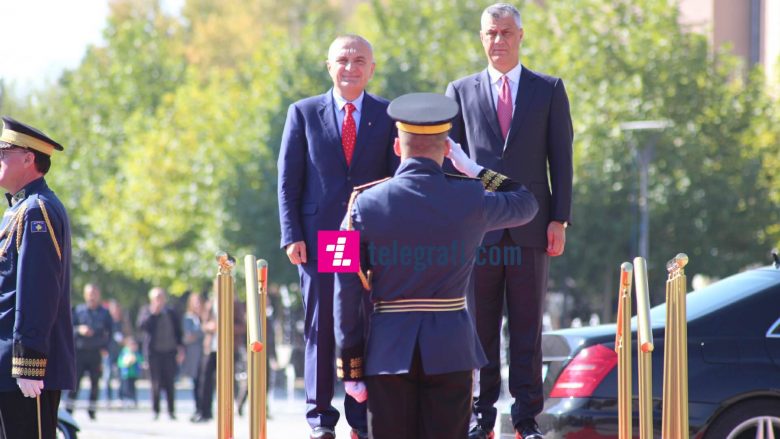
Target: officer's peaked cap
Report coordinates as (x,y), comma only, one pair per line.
(423,113)
(21,135)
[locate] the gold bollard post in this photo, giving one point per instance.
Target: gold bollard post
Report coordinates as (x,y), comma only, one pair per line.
(225,376)
(645,351)
(262,274)
(623,349)
(675,398)
(256,343)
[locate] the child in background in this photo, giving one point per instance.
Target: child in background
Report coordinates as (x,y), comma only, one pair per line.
(129,361)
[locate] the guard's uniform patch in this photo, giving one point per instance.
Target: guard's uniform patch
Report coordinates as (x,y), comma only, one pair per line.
(38,226)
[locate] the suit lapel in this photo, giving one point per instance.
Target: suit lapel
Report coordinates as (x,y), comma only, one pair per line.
(485,99)
(367,123)
(330,130)
(525,94)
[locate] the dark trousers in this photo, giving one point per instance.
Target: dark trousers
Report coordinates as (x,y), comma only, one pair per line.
(19,415)
(522,287)
(90,362)
(162,371)
(418,406)
(320,363)
(127,390)
(206,384)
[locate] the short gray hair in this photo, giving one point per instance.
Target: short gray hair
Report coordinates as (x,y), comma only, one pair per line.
(500,10)
(350,37)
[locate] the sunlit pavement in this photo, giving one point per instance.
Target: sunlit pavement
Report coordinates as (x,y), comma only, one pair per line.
(286,420)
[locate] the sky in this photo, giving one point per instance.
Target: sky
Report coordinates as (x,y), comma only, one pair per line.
(43,37)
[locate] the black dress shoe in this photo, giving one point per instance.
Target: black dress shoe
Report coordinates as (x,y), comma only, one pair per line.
(357,434)
(198,419)
(528,429)
(322,433)
(480,432)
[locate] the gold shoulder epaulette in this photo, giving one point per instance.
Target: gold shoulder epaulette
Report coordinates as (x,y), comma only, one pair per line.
(365,278)
(460,177)
(365,186)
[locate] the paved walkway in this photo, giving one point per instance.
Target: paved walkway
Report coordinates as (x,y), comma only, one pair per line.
(286,418)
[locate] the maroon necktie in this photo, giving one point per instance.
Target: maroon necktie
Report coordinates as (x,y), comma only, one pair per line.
(505,107)
(348,133)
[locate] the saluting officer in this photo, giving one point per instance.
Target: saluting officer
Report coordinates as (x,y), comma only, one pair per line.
(36,334)
(419,233)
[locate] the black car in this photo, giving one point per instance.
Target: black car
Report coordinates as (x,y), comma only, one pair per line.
(733,367)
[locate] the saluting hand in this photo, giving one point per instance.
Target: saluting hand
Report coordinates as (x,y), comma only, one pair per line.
(297,252)
(30,388)
(461,161)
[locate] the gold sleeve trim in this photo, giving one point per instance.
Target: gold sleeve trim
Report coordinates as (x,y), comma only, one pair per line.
(34,362)
(353,371)
(27,371)
(492,180)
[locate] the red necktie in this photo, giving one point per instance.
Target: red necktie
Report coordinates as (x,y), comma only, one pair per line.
(505,107)
(348,133)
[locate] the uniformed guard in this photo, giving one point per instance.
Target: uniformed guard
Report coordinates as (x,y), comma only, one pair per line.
(36,334)
(419,235)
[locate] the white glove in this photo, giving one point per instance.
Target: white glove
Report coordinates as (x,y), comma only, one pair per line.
(357,390)
(30,388)
(461,161)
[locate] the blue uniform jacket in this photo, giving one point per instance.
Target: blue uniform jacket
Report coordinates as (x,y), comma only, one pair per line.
(419,232)
(314,179)
(36,333)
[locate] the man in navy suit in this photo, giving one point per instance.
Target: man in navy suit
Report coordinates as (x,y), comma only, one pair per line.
(415,362)
(517,122)
(331,143)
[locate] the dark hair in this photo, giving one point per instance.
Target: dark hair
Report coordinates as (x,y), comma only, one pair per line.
(42,161)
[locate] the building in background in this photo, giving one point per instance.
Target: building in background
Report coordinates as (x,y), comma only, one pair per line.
(751,27)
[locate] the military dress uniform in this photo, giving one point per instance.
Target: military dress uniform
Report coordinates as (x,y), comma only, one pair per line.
(417,353)
(36,334)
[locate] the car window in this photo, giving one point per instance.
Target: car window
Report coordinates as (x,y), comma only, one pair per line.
(720,294)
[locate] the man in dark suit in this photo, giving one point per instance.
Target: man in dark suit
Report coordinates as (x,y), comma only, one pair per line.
(517,122)
(162,346)
(92,326)
(37,360)
(417,359)
(331,143)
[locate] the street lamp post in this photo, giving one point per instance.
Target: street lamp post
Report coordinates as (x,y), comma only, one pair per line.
(643,157)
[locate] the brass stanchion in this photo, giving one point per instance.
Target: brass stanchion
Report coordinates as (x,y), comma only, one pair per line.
(675,394)
(623,349)
(645,351)
(225,376)
(256,291)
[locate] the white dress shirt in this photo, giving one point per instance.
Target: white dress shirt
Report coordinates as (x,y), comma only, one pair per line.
(338,107)
(496,83)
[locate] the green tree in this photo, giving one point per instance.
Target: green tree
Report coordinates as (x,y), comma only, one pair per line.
(630,60)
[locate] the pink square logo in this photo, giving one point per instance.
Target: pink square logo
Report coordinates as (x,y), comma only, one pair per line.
(338,251)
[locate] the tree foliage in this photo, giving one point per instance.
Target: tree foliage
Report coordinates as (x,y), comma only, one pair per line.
(172,128)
